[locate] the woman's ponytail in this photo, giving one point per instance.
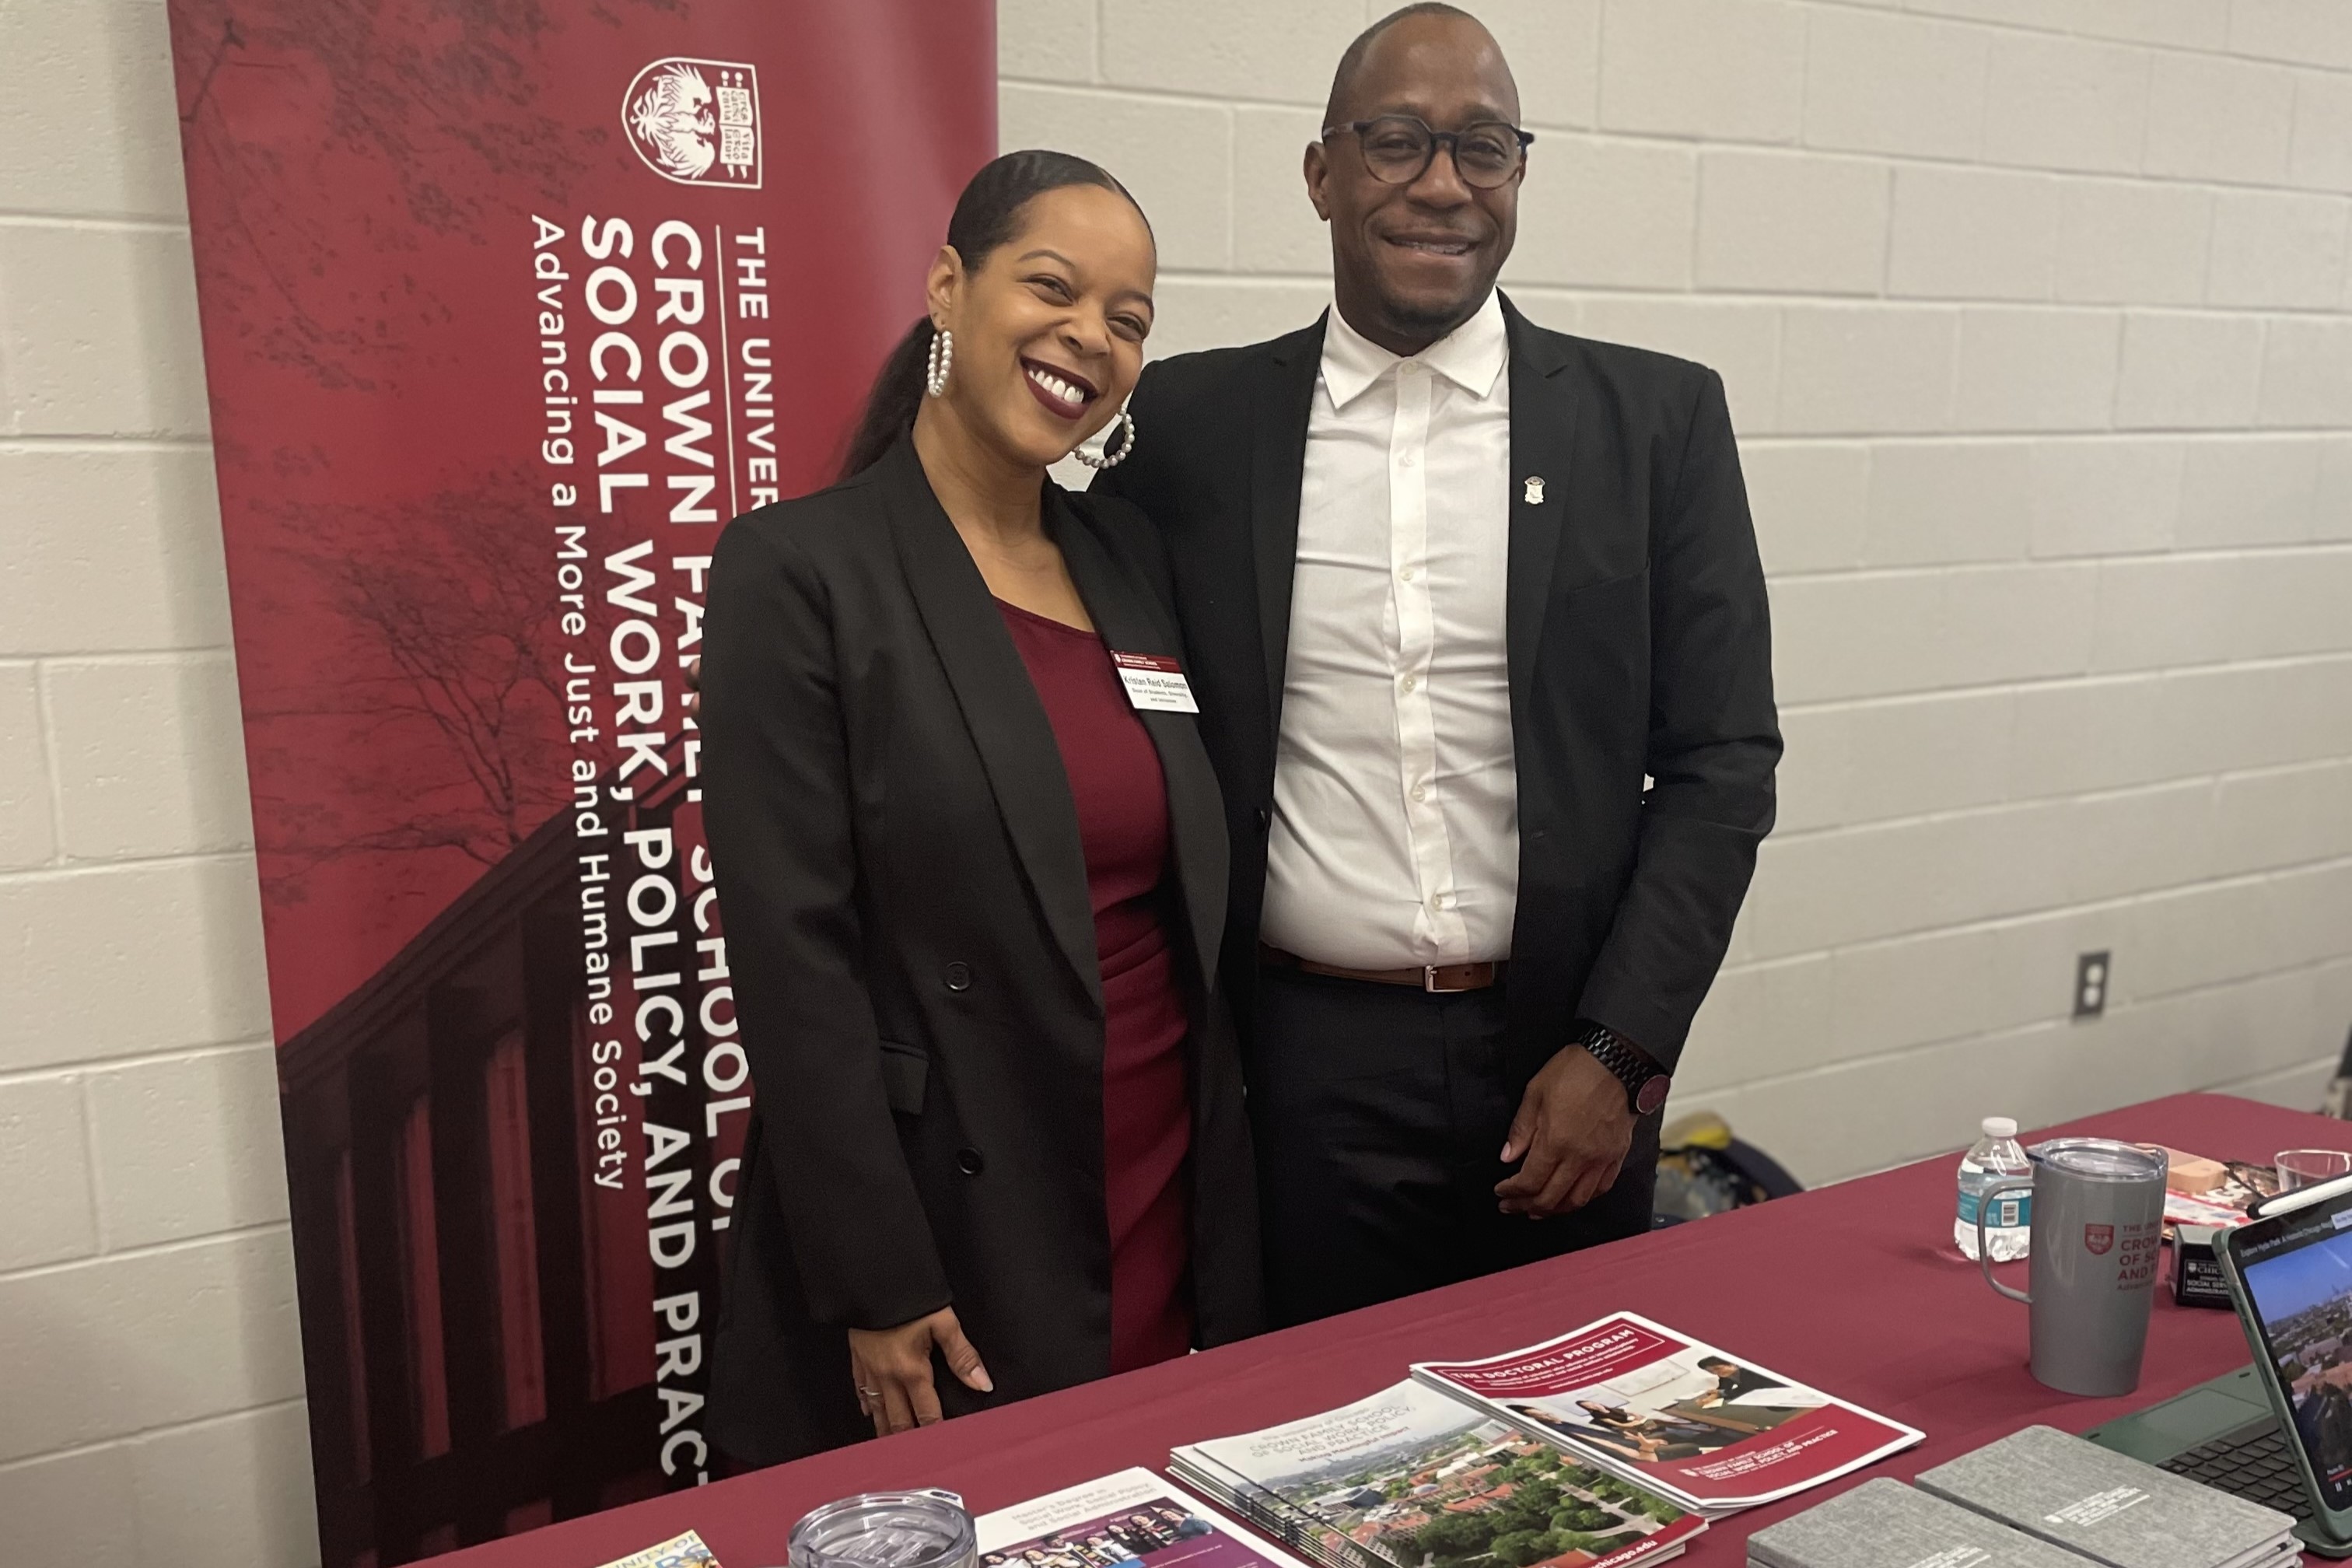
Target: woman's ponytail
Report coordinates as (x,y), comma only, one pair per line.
(890,407)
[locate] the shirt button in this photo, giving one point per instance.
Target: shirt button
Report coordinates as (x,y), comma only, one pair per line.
(958,977)
(968,1162)
(1444,900)
(1405,461)
(1410,681)
(1407,573)
(1421,792)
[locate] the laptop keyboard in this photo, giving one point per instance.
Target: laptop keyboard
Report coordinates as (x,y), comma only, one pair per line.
(2254,1465)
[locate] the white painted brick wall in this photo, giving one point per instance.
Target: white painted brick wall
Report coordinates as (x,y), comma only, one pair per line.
(2036,320)
(151,1379)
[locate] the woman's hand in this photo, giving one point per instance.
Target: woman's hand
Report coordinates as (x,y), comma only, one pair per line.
(892,1369)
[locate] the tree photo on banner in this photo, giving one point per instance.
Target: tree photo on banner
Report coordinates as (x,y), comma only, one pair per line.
(507,310)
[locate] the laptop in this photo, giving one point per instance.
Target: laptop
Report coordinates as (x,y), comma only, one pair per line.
(2284,1270)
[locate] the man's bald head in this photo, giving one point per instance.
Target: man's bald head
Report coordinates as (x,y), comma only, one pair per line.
(1430,19)
(1413,257)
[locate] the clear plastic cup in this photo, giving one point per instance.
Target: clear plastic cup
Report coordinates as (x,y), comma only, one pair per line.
(2309,1167)
(886,1529)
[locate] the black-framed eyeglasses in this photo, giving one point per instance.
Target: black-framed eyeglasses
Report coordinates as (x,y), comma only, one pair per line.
(1399,147)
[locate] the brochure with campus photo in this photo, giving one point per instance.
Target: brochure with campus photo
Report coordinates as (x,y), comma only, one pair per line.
(684,1551)
(1707,1431)
(1412,1479)
(1130,1520)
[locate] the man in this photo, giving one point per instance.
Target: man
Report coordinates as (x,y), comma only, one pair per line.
(1451,586)
(1733,1380)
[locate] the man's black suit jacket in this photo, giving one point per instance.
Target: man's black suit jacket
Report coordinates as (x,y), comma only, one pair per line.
(1638,640)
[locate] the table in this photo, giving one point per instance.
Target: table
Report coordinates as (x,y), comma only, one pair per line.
(1856,1288)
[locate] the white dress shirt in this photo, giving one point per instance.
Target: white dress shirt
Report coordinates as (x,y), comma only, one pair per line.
(1395,839)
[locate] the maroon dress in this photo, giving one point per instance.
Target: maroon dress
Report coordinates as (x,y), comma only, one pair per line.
(1123,801)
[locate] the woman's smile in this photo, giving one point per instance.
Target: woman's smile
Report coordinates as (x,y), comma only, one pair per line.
(1062,393)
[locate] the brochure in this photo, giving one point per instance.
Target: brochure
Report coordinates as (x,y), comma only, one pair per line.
(685,1551)
(2215,1193)
(1706,1431)
(1412,1479)
(1133,1518)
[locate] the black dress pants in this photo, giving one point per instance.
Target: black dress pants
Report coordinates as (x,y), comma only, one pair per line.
(1378,1112)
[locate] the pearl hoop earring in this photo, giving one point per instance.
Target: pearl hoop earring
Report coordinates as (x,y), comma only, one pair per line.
(1110,459)
(935,382)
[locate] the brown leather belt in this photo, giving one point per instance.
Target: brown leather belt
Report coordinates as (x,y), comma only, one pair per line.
(1432,977)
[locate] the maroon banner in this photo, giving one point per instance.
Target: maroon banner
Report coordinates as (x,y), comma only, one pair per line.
(506,309)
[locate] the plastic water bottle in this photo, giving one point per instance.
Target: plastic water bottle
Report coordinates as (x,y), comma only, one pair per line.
(1995,1158)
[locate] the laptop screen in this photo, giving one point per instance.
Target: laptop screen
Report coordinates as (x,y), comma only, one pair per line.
(2298,1272)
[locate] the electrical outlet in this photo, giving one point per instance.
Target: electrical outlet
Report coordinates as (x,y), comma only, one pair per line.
(2091,984)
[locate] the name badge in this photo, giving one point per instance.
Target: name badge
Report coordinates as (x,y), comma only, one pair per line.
(1154,683)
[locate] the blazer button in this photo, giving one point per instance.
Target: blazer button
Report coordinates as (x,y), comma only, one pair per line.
(968,1162)
(958,976)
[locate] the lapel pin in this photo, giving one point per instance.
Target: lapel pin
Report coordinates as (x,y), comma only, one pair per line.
(1535,492)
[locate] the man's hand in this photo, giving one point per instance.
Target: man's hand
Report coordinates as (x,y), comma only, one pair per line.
(692,700)
(892,1370)
(1573,1129)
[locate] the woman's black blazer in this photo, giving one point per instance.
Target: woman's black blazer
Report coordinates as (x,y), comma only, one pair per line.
(912,947)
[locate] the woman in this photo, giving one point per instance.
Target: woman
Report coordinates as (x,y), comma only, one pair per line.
(972,890)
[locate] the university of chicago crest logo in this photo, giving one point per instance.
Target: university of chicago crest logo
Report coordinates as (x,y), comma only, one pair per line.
(2098,1238)
(696,122)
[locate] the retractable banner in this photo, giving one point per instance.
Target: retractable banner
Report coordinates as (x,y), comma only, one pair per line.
(508,308)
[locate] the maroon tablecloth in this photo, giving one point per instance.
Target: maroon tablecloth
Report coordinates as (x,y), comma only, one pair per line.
(1856,1288)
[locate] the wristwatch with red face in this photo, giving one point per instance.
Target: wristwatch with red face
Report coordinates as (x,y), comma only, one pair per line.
(1645,1086)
